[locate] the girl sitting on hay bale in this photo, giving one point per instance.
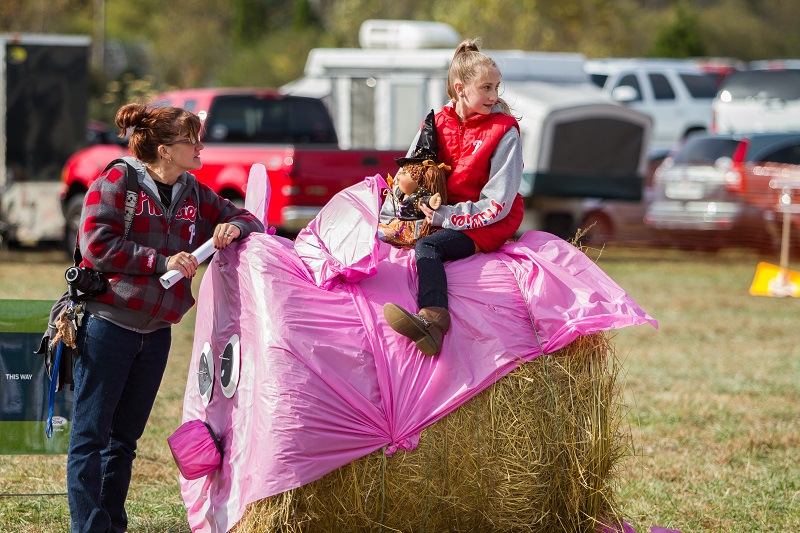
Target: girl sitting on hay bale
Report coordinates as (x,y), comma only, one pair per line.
(475,134)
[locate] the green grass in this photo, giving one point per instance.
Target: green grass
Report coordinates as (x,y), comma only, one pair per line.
(711,399)
(711,396)
(154,501)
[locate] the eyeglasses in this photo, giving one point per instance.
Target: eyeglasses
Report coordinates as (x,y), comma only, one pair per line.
(188,140)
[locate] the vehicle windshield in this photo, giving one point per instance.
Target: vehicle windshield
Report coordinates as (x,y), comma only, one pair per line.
(252,119)
(705,150)
(784,84)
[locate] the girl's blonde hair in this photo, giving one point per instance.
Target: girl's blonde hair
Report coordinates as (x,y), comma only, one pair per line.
(469,63)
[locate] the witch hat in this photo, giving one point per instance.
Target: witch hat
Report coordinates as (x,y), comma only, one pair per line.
(427,144)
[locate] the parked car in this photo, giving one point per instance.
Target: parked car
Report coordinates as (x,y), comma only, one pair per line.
(676,93)
(715,192)
(758,100)
(607,221)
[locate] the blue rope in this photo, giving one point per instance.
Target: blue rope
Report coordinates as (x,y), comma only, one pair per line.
(48,430)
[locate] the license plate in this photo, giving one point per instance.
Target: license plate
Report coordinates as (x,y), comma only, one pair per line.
(684,190)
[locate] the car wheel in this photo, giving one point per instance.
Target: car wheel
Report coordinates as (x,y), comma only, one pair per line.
(72,214)
(599,229)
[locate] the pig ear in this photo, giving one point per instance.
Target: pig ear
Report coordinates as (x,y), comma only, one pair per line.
(258,192)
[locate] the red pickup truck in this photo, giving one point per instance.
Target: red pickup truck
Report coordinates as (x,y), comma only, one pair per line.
(292,136)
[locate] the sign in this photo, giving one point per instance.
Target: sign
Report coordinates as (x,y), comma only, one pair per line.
(25,385)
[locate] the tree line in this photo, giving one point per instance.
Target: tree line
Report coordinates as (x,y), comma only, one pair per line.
(264,43)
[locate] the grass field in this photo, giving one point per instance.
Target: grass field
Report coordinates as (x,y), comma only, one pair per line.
(711,397)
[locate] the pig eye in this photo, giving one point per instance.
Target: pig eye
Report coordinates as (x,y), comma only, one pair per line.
(229,367)
(205,374)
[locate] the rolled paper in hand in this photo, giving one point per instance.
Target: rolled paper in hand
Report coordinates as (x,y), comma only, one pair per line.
(205,251)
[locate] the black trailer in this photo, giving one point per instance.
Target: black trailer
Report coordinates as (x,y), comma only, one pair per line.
(44,93)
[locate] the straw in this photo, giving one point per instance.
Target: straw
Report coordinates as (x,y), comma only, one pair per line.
(536,451)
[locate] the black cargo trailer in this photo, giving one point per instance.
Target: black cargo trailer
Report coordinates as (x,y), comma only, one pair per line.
(44,92)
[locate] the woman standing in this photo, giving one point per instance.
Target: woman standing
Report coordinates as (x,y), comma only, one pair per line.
(125,335)
(479,138)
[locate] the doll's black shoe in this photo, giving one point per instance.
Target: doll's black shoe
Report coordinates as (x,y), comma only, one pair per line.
(426,328)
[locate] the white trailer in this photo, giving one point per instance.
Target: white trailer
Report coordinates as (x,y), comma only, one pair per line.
(44,88)
(577,142)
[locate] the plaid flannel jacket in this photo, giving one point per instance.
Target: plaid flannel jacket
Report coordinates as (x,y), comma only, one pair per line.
(132,266)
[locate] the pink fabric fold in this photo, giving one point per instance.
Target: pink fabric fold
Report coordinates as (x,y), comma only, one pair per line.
(324,380)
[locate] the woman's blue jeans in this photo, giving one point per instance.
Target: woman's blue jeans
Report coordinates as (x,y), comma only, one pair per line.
(117,377)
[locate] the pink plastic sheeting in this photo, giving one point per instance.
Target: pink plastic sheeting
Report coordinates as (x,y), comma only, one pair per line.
(324,381)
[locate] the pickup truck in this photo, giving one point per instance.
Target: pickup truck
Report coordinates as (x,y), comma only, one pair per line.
(293,136)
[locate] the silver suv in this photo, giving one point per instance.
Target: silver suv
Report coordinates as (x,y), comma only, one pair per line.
(711,192)
(676,93)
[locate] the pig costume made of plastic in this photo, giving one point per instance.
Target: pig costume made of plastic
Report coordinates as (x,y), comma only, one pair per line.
(297,372)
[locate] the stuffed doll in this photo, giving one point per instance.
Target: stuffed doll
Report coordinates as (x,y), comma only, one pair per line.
(422,179)
(416,183)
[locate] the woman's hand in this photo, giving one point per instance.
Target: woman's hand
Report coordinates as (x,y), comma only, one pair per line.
(224,234)
(184,262)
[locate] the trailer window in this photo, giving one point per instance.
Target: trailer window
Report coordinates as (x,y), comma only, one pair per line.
(408,112)
(362,114)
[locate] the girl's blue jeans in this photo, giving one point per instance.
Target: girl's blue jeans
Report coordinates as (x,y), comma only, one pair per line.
(430,254)
(117,377)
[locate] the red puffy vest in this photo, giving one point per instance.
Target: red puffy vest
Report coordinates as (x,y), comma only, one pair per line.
(468,147)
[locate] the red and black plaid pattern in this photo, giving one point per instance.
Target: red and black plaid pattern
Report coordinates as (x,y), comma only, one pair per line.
(133,265)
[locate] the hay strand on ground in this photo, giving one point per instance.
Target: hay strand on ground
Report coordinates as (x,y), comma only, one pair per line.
(536,451)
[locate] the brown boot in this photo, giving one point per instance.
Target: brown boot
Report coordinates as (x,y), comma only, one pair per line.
(426,328)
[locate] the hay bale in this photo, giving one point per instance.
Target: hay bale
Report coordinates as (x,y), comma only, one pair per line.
(533,452)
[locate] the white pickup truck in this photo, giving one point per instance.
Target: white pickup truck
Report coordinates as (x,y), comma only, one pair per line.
(676,93)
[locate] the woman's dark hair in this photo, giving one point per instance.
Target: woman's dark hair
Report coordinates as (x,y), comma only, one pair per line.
(152,126)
